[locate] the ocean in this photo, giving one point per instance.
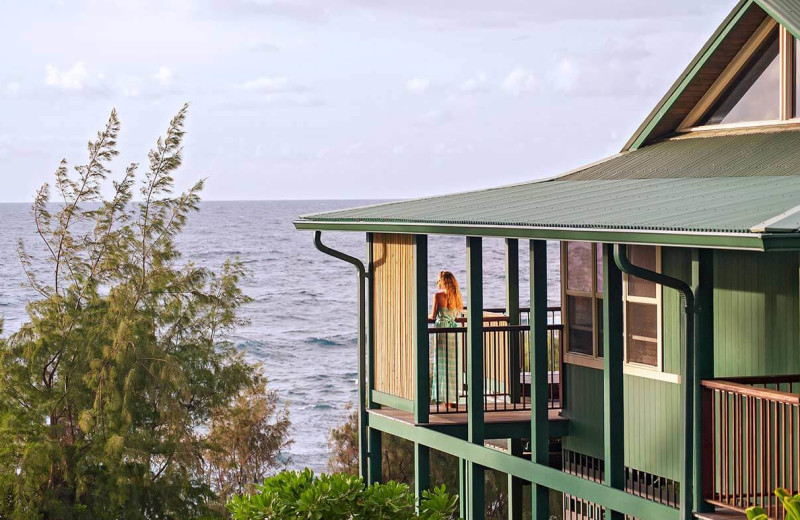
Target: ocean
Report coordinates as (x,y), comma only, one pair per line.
(303,317)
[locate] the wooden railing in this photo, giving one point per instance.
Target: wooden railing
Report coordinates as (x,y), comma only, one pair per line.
(506,361)
(753,444)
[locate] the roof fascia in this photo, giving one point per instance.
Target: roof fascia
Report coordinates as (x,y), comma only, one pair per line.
(742,241)
(644,130)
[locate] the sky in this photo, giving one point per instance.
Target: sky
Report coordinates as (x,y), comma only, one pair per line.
(339,99)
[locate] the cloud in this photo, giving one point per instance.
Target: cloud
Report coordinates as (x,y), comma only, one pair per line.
(475,85)
(72,79)
(418,85)
(164,76)
(10,88)
(518,81)
(565,76)
(272,85)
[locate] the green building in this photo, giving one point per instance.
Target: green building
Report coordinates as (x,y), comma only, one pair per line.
(666,384)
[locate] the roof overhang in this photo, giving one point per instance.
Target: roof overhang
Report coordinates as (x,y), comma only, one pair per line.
(740,241)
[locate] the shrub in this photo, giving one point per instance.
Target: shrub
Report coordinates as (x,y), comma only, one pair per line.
(791,504)
(301,495)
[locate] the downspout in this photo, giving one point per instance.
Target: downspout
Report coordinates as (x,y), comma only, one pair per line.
(688,332)
(362,386)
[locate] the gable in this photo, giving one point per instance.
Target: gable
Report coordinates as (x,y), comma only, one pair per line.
(707,78)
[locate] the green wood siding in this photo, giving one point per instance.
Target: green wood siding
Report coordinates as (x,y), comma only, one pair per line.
(652,420)
(755,314)
(675,262)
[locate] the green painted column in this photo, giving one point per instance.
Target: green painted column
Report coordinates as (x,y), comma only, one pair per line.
(370,310)
(475,424)
(512,309)
(613,403)
(422,470)
(462,488)
(515,484)
(375,456)
(703,288)
(540,437)
(421,351)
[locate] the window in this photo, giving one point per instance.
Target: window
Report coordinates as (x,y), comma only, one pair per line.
(755,93)
(642,310)
(758,86)
(583,297)
(582,294)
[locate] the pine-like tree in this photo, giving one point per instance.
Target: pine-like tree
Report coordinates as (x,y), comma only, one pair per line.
(110,388)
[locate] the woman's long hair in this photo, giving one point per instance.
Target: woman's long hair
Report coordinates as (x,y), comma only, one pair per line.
(448,283)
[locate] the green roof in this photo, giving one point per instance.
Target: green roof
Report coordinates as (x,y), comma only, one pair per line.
(734,190)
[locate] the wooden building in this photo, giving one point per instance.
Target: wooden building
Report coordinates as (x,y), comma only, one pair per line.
(670,373)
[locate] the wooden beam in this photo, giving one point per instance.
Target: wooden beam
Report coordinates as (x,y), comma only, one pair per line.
(787,73)
(540,436)
(475,422)
(703,288)
(421,349)
(370,309)
(613,356)
(515,483)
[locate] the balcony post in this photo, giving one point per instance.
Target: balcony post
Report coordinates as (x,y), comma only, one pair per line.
(421,350)
(422,470)
(703,288)
(540,437)
(613,407)
(372,471)
(475,391)
(514,368)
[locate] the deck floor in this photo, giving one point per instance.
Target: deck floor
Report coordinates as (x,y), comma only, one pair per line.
(458,418)
(721,514)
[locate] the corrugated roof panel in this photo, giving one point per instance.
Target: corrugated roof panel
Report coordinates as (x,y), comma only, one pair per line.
(712,204)
(787,12)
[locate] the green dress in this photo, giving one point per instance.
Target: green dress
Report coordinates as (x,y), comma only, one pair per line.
(447,358)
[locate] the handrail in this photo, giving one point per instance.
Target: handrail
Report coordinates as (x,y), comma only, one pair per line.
(751,391)
(763,380)
(494,328)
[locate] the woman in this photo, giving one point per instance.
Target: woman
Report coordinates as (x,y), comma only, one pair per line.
(446,363)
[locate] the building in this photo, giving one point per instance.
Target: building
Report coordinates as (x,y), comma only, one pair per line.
(670,372)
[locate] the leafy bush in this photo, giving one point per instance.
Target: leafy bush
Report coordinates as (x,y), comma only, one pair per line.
(791,504)
(300,495)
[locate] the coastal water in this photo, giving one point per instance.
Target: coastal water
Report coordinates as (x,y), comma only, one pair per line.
(303,318)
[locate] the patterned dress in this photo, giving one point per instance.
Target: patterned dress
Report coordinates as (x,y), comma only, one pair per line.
(446,354)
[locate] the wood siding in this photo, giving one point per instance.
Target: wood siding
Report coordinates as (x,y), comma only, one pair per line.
(755,314)
(393,313)
(652,420)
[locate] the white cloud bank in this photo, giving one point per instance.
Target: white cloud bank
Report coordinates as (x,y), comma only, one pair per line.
(72,79)
(518,81)
(418,85)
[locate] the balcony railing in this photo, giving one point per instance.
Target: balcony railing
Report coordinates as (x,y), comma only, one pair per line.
(753,446)
(506,361)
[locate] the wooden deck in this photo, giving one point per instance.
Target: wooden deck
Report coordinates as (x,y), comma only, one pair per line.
(519,419)
(721,514)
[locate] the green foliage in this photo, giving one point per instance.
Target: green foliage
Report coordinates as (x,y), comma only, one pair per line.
(300,495)
(791,504)
(110,388)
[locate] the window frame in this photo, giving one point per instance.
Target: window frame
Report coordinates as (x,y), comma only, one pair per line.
(579,358)
(594,361)
(788,113)
(658,301)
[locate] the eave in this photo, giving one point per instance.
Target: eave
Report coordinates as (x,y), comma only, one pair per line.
(740,241)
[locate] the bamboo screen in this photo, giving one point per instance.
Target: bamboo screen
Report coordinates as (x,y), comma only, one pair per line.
(392,313)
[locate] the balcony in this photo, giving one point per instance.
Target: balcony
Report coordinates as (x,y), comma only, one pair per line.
(506,362)
(753,444)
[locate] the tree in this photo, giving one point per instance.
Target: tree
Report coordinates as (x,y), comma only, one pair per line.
(111,386)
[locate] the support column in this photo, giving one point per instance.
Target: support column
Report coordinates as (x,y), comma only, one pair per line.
(463,497)
(514,372)
(613,403)
(370,473)
(375,457)
(703,288)
(475,424)
(422,470)
(421,350)
(540,437)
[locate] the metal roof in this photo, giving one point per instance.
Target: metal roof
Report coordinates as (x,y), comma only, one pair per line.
(719,184)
